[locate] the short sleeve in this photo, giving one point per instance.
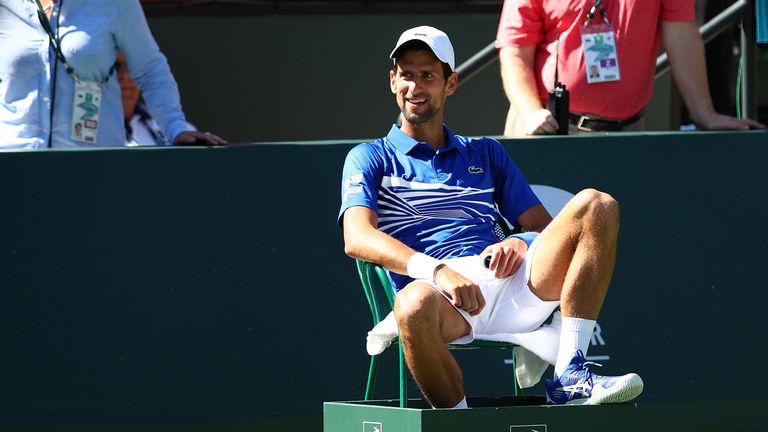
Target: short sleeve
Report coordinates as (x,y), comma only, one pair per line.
(512,192)
(521,24)
(361,177)
(677,10)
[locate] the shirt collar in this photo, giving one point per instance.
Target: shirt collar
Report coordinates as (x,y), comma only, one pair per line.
(405,143)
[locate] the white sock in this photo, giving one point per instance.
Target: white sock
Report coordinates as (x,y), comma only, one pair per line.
(575,335)
(461,404)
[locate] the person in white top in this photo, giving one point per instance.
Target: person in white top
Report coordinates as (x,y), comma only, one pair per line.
(140,128)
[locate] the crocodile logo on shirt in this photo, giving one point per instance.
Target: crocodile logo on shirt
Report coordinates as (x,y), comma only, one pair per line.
(475,170)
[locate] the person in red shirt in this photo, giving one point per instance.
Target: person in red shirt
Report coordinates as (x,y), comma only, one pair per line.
(610,81)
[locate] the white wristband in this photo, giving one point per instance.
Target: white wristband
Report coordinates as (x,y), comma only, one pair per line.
(421,266)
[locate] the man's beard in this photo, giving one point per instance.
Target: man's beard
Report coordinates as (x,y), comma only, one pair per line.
(418,118)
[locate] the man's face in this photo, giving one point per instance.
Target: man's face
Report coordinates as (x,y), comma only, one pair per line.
(419,85)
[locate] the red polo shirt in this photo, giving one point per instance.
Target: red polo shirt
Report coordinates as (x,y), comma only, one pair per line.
(638,32)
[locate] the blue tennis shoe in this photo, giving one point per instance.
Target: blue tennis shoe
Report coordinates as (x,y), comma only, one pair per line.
(578,385)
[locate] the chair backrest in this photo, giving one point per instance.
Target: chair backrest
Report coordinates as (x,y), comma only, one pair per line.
(377,288)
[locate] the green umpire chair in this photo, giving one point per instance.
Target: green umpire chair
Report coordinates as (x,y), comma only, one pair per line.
(381,299)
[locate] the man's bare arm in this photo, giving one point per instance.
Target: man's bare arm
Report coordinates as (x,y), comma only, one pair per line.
(508,254)
(517,64)
(535,219)
(686,57)
(363,240)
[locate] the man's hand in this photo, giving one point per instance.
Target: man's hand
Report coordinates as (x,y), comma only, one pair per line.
(517,66)
(717,121)
(506,256)
(539,122)
(192,138)
(464,293)
(682,41)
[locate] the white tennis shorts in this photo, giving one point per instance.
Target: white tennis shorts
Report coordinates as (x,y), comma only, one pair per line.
(510,307)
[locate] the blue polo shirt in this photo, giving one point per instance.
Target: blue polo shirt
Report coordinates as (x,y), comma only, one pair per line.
(442,203)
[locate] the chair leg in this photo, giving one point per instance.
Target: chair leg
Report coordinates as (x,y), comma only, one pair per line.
(514,374)
(372,370)
(403,378)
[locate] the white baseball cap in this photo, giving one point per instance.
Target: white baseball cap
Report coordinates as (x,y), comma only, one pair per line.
(436,39)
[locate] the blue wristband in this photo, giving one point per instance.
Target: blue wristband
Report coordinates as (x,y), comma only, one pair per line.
(527,237)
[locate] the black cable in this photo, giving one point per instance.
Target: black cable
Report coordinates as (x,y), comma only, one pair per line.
(53,78)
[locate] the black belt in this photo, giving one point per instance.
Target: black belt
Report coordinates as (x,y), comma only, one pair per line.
(589,123)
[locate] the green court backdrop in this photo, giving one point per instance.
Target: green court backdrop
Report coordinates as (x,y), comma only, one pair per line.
(200,285)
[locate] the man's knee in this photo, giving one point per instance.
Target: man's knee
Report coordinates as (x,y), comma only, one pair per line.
(417,303)
(422,312)
(598,207)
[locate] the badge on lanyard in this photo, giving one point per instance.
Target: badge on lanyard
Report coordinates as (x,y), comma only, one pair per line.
(601,59)
(85,111)
(86,105)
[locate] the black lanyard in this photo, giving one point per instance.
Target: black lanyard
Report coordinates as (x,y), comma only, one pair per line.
(57,47)
(598,6)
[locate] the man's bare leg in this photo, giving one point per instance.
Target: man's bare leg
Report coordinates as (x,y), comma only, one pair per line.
(427,322)
(574,260)
(575,254)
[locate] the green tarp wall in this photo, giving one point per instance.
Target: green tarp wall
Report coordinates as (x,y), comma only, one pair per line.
(194,285)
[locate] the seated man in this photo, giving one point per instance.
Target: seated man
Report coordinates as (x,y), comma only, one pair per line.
(422,203)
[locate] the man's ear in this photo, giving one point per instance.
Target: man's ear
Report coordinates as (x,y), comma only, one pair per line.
(452,83)
(392,81)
